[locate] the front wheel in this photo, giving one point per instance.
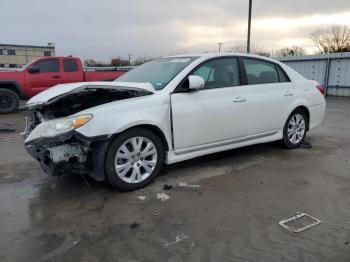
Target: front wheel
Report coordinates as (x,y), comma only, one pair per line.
(134,159)
(9,101)
(294,131)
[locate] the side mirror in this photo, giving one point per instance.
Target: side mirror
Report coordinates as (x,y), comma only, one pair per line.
(33,69)
(195,82)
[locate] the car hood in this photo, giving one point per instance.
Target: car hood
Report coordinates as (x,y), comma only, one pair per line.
(59,91)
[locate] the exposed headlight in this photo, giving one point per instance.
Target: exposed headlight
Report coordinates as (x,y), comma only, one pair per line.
(59,126)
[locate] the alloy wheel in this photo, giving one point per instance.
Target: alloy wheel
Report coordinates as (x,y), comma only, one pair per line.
(296,128)
(136,159)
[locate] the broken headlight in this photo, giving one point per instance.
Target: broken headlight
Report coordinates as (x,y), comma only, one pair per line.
(59,126)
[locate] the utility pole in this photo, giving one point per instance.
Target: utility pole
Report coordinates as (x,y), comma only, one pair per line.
(249,25)
(219,44)
(129,55)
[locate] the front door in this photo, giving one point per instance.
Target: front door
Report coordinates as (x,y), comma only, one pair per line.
(212,114)
(48,76)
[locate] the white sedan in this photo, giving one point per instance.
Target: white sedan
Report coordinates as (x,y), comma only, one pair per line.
(170,110)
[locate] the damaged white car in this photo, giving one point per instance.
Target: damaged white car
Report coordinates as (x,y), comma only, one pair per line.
(169,110)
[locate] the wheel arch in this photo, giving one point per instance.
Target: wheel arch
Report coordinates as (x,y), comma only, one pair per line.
(307,113)
(155,129)
(14,86)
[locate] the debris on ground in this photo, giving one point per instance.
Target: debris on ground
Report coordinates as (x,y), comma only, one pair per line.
(142,198)
(162,196)
(299,222)
(178,239)
(75,242)
(155,213)
(167,187)
(306,145)
(135,225)
(184,184)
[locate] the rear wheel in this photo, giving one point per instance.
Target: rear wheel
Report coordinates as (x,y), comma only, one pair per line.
(134,159)
(294,131)
(9,101)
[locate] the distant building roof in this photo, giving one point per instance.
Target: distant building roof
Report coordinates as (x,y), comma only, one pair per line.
(50,45)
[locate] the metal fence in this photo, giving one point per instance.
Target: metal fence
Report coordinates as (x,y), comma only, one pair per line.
(330,70)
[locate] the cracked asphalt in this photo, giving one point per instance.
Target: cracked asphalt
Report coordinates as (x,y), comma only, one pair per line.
(232,216)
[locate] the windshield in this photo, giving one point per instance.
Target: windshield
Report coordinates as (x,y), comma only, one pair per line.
(159,72)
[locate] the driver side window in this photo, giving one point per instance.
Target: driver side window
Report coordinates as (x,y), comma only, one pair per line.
(48,66)
(218,73)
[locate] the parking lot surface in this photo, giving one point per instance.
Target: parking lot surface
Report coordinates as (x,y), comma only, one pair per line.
(231,214)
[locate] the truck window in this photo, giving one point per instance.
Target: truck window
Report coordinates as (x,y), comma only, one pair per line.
(48,66)
(70,65)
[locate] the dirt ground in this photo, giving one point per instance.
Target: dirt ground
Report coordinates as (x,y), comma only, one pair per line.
(232,216)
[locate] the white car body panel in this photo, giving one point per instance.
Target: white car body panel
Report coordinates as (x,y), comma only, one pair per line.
(57,91)
(206,112)
(204,121)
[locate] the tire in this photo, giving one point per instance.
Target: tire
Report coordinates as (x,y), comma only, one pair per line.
(128,168)
(294,131)
(9,101)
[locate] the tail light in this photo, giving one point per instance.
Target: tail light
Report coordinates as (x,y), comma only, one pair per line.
(321,89)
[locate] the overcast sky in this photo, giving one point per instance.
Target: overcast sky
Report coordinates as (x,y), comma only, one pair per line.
(102,29)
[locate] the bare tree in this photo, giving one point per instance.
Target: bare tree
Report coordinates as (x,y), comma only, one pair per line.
(241,47)
(141,60)
(291,51)
(334,39)
(90,62)
(117,61)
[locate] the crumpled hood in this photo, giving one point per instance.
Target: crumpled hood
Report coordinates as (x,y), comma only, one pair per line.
(52,94)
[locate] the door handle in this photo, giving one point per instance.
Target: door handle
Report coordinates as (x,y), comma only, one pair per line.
(288,93)
(56,76)
(239,99)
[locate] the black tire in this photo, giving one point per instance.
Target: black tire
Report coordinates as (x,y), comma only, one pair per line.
(286,141)
(9,101)
(112,177)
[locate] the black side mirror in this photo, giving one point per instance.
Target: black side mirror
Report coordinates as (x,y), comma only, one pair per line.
(33,69)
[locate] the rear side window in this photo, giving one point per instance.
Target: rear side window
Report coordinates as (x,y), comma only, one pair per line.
(70,65)
(260,72)
(48,66)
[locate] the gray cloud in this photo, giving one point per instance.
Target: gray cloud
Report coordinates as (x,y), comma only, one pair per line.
(107,28)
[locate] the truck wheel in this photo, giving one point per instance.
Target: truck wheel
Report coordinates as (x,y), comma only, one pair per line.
(134,159)
(9,101)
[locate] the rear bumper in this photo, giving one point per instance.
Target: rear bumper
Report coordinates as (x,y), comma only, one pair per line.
(317,113)
(71,153)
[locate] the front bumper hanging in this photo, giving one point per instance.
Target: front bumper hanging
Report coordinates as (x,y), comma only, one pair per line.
(70,153)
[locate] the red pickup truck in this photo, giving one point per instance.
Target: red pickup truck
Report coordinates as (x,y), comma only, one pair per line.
(44,73)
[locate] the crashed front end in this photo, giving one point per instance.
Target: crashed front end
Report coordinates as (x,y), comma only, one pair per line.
(60,149)
(52,134)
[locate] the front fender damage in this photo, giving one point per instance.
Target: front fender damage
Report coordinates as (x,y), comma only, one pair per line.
(70,153)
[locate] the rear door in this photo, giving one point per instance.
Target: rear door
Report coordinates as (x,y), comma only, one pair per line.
(269,94)
(213,114)
(48,76)
(71,72)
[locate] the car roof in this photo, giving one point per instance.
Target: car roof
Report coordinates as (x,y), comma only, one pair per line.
(205,56)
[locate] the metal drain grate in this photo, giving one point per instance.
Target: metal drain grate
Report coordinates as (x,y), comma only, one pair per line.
(299,222)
